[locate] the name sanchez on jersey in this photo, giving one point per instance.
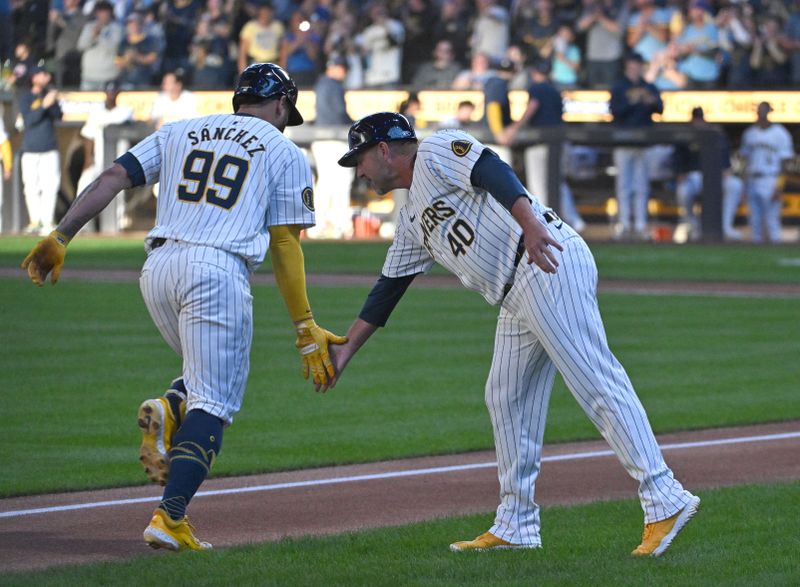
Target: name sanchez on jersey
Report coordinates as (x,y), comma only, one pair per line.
(227,133)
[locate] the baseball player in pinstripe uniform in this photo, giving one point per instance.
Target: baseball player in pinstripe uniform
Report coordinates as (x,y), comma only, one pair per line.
(765,145)
(232,187)
(467,211)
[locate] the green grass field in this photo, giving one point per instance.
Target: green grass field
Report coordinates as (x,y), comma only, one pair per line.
(742,536)
(84,355)
(78,358)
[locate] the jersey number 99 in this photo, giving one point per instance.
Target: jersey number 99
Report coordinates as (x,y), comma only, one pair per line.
(226,172)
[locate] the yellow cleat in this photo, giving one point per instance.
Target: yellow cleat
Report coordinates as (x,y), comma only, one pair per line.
(158,425)
(659,535)
(164,532)
(486,541)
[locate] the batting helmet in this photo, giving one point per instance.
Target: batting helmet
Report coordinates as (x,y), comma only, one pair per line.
(267,80)
(382,127)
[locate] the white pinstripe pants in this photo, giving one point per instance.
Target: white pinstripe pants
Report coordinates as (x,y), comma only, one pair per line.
(199,298)
(550,322)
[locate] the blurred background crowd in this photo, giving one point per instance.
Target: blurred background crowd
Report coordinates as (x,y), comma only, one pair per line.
(418,44)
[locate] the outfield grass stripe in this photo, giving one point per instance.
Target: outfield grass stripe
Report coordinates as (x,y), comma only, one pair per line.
(395,474)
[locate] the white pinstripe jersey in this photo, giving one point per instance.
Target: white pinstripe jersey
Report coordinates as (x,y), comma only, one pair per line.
(449,221)
(224,178)
(766,148)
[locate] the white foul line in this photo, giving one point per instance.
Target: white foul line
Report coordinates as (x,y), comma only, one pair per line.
(392,475)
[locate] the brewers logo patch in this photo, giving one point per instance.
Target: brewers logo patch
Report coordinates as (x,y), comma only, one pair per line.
(460,148)
(308,198)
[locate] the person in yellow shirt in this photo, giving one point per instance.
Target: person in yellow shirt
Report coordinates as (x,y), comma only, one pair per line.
(6,162)
(260,38)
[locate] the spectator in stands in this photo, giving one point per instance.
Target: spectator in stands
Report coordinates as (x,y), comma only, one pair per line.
(633,103)
(22,66)
(790,41)
(30,24)
(697,46)
(329,93)
(475,77)
(545,108)
(260,38)
(419,21)
(736,32)
(769,60)
(341,41)
(41,167)
(648,28)
(496,105)
(534,26)
(300,50)
(521,78)
(174,102)
(99,43)
(179,18)
(490,30)
(665,72)
(6,31)
(63,33)
(410,108)
(464,118)
(209,70)
(765,146)
(440,72)
(211,53)
(454,20)
(566,58)
(152,28)
(689,186)
(93,138)
(604,24)
(381,44)
(138,55)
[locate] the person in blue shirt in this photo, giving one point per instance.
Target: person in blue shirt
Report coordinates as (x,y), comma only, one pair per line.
(648,28)
(633,103)
(545,109)
(698,45)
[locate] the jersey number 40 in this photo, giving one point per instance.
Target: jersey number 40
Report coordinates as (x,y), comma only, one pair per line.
(227,176)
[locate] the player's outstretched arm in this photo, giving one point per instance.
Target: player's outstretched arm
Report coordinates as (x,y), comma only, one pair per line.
(357,335)
(47,257)
(290,275)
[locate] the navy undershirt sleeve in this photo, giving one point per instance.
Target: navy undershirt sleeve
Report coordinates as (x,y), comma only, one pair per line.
(133,168)
(383,298)
(492,174)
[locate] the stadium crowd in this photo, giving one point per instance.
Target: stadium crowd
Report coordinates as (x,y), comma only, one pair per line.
(419,44)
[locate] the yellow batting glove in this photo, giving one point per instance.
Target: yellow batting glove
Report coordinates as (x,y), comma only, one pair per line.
(312,342)
(46,256)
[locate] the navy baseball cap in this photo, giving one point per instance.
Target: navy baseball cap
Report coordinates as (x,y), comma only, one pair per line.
(381,127)
(267,80)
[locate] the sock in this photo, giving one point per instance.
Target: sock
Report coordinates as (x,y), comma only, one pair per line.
(175,395)
(194,449)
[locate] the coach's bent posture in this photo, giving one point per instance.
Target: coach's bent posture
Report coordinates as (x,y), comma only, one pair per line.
(468,211)
(232,186)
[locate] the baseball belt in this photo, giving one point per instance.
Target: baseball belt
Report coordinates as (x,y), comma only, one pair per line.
(549,217)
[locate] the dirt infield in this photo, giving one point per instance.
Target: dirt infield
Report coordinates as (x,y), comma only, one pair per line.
(75,528)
